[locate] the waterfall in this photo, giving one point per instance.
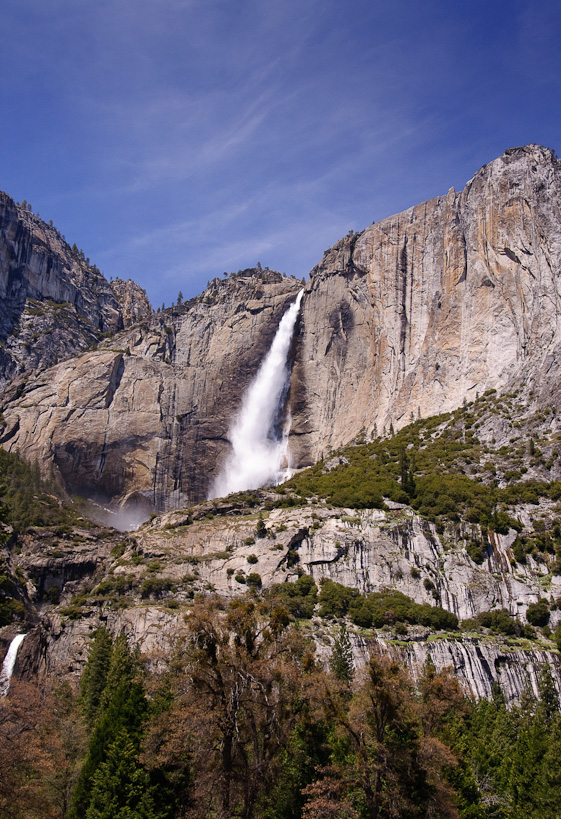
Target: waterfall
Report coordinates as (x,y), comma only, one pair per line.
(8,664)
(259,447)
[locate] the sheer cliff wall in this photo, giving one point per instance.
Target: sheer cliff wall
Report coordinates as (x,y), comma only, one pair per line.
(427,308)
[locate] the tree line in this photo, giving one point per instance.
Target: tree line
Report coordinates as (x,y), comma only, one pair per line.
(246,721)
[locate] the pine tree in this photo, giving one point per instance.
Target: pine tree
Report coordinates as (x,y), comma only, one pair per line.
(341,661)
(121,787)
(122,670)
(260,528)
(549,701)
(95,673)
(112,686)
(126,711)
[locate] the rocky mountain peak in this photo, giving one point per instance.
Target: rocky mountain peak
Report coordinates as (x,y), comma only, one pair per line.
(53,302)
(411,317)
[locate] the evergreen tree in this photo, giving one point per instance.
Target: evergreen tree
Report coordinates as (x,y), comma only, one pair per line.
(113,687)
(123,668)
(95,673)
(126,712)
(548,786)
(260,528)
(121,787)
(549,700)
(341,661)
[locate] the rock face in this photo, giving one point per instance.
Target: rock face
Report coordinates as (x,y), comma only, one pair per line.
(133,301)
(143,584)
(410,317)
(477,663)
(143,418)
(427,308)
(53,303)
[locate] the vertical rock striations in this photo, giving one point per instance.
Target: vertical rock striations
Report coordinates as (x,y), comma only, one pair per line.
(412,316)
(426,308)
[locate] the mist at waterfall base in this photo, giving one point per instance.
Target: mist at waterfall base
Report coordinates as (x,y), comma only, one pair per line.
(259,449)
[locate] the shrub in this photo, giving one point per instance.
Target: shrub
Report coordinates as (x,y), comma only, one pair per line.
(389,607)
(299,597)
(154,586)
(334,599)
(254,580)
(475,551)
(538,613)
(260,529)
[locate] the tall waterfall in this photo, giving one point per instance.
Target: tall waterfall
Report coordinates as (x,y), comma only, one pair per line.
(8,664)
(259,447)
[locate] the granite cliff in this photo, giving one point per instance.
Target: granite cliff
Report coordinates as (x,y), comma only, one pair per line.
(143,584)
(453,305)
(410,317)
(432,307)
(142,419)
(54,304)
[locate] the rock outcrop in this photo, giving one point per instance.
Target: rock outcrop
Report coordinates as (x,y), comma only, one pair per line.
(430,307)
(143,419)
(144,583)
(54,304)
(133,301)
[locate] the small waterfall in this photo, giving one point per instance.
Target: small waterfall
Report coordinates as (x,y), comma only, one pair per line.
(8,664)
(259,447)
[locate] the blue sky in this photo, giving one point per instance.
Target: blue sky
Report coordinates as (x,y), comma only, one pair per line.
(173,140)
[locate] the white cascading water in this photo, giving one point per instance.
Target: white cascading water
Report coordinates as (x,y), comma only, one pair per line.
(259,456)
(8,664)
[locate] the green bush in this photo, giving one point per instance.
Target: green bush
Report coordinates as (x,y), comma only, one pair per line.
(538,613)
(499,621)
(475,551)
(298,597)
(390,607)
(334,599)
(155,586)
(254,580)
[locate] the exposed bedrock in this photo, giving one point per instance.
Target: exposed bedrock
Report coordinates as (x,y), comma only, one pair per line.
(368,550)
(53,302)
(423,309)
(143,418)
